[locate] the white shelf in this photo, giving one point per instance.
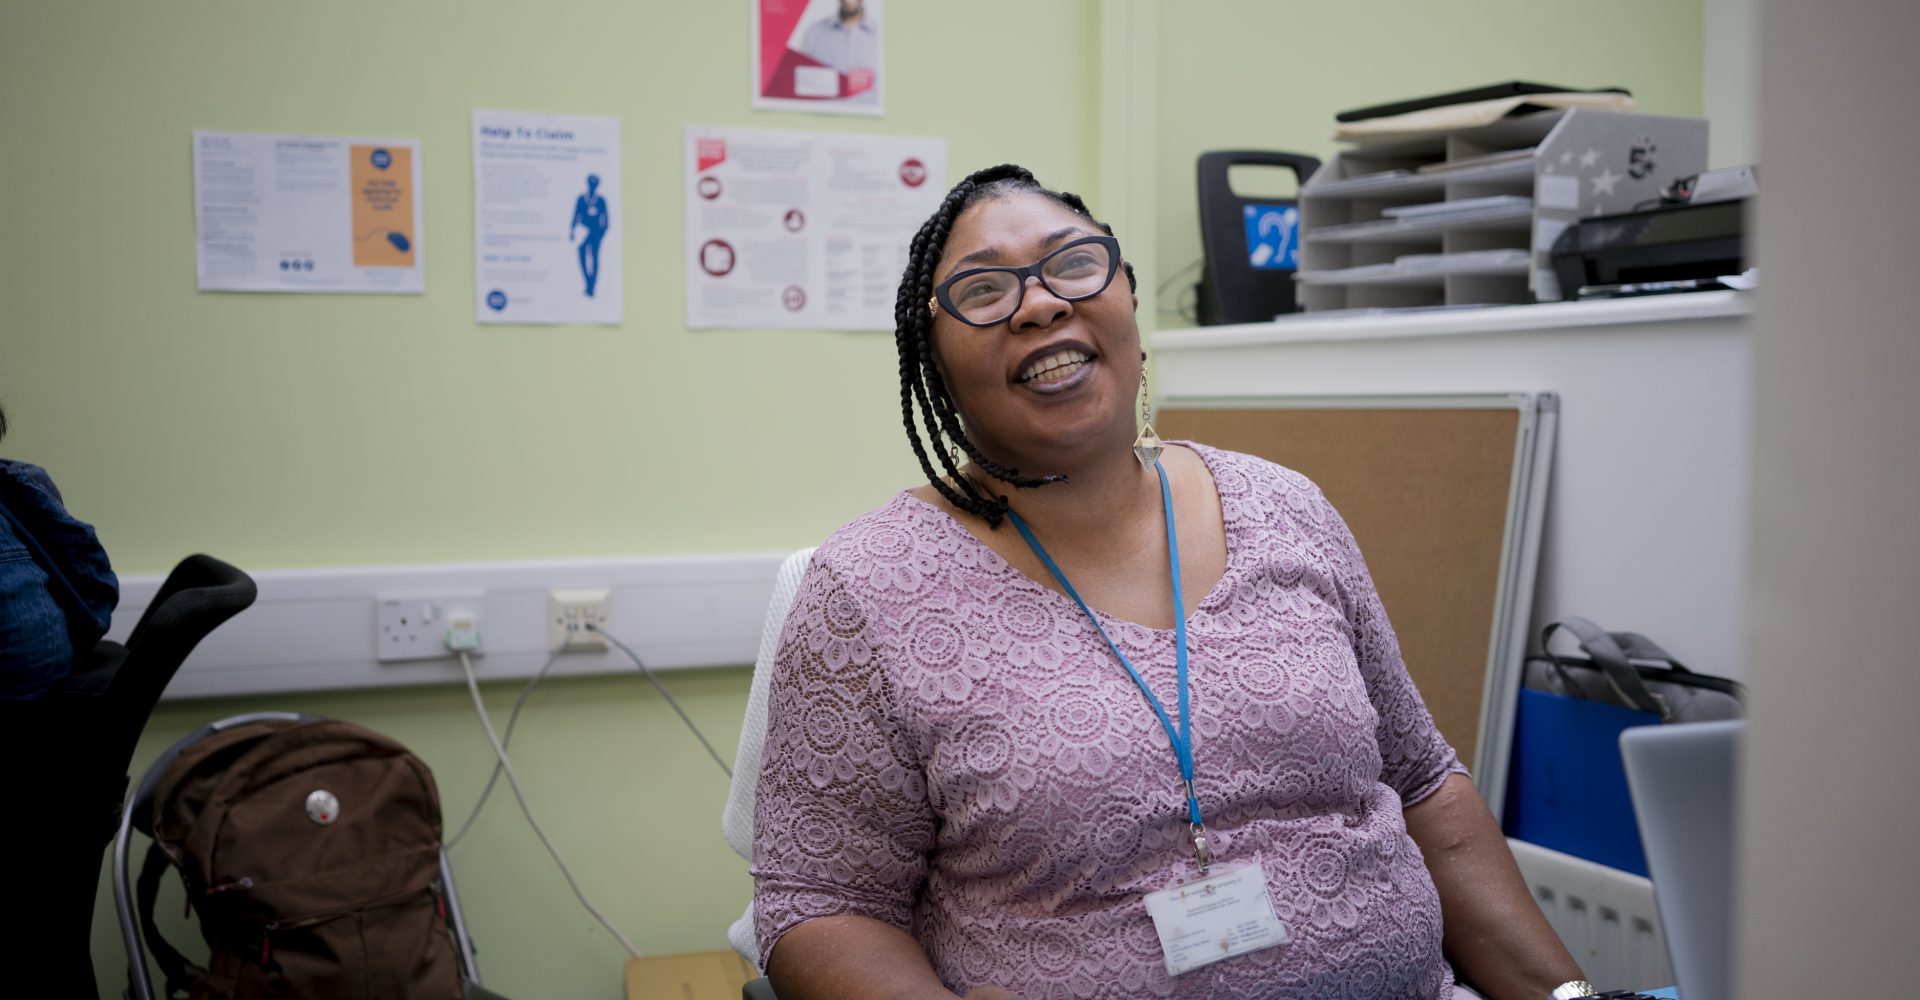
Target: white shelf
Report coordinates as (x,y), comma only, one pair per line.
(1353,236)
(1394,184)
(1392,324)
(1424,230)
(1425,270)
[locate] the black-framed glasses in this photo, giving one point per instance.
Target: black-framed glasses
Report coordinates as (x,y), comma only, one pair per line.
(984,296)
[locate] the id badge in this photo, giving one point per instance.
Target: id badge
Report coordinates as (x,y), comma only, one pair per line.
(1216,917)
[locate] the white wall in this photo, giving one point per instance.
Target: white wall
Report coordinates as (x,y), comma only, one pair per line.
(1828,883)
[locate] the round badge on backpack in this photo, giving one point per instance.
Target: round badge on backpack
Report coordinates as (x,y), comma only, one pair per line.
(322,807)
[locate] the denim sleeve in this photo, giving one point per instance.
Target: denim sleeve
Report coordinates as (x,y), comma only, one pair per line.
(39,635)
(35,650)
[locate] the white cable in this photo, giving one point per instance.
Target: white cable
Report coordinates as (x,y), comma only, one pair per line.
(506,741)
(513,782)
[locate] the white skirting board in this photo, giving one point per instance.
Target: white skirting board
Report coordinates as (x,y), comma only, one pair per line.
(313,629)
(1605,916)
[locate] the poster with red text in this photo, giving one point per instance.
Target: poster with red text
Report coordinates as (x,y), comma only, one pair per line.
(818,55)
(803,230)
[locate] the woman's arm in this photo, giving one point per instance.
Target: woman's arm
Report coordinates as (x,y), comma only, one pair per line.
(1494,933)
(856,958)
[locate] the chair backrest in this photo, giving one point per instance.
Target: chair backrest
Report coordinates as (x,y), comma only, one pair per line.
(197,597)
(81,740)
(737,820)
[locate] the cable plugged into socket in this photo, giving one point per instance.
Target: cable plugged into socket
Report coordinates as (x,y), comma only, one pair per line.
(570,612)
(426,626)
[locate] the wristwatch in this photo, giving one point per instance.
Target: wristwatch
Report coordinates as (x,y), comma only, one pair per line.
(1571,989)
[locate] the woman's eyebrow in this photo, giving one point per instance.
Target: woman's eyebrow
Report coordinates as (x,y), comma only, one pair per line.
(987,255)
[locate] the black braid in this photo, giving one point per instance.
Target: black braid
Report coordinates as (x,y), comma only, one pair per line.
(920,380)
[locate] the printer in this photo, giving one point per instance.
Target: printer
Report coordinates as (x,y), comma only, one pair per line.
(1694,237)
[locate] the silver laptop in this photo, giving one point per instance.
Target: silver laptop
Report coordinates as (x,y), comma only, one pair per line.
(1682,779)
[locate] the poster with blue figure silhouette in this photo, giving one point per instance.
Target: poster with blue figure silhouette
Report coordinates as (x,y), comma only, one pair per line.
(547,245)
(590,214)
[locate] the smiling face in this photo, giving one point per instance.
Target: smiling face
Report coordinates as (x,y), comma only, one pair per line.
(1054,384)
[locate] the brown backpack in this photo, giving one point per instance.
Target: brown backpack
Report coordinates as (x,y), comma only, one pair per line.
(311,856)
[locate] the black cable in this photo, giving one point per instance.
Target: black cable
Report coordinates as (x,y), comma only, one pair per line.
(635,657)
(1160,290)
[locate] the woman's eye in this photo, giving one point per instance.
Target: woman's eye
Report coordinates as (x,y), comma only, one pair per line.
(979,291)
(1075,264)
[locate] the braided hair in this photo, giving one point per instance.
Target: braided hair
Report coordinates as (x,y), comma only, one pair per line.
(921,386)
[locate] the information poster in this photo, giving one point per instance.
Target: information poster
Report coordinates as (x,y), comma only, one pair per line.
(818,55)
(546,208)
(292,213)
(803,230)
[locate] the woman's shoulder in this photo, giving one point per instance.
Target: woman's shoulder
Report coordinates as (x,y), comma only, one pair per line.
(904,544)
(902,515)
(1238,474)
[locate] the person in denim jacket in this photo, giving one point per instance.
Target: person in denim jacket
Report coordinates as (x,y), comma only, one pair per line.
(47,620)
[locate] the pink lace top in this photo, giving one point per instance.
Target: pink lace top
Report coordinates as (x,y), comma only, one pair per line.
(954,751)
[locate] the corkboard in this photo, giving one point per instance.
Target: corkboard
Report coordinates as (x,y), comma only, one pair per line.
(1427,493)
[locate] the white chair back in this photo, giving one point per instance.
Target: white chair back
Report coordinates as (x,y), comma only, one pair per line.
(737,820)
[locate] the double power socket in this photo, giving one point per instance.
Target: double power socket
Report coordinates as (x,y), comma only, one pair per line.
(431,626)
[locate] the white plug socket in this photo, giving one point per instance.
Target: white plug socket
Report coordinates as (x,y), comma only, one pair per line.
(414,626)
(569,612)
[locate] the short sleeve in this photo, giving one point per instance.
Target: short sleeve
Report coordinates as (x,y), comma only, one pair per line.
(842,824)
(1415,758)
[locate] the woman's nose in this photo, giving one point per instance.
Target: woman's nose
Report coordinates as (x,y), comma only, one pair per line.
(1039,307)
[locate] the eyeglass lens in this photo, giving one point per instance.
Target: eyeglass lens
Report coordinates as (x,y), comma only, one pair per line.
(1073,272)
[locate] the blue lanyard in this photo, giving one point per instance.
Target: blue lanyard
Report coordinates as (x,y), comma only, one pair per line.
(1181,738)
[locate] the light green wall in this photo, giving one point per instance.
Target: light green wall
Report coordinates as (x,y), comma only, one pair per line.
(1259,74)
(286,431)
(280,430)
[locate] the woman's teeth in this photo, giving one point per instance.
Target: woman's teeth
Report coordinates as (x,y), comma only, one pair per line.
(1054,367)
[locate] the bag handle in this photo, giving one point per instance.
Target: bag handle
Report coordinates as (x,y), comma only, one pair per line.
(180,973)
(1639,647)
(1612,660)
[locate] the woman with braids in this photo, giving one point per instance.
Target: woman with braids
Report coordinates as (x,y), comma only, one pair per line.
(1088,717)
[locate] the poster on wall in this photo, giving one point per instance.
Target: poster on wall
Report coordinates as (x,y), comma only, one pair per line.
(301,213)
(803,230)
(818,55)
(546,209)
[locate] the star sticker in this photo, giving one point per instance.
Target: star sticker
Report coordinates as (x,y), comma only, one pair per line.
(1566,156)
(1603,184)
(1589,158)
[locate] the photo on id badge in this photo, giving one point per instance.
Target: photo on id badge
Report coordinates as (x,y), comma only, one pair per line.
(1213,917)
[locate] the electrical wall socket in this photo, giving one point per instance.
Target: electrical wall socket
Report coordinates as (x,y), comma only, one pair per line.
(569,612)
(414,626)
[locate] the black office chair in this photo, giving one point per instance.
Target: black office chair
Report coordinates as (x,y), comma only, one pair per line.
(69,755)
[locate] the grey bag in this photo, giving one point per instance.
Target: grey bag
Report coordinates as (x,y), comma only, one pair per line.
(1629,670)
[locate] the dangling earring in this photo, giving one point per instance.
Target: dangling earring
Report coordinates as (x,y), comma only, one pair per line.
(1147,446)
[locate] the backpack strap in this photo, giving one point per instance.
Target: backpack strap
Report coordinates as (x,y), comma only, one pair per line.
(180,973)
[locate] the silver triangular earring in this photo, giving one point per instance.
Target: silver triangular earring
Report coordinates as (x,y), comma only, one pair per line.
(1147,446)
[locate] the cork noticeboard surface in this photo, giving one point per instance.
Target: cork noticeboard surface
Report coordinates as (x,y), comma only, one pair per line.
(1427,493)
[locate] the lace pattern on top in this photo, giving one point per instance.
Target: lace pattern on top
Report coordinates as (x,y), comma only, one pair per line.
(953,750)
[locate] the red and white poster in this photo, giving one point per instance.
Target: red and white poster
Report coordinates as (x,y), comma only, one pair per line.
(795,230)
(818,55)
